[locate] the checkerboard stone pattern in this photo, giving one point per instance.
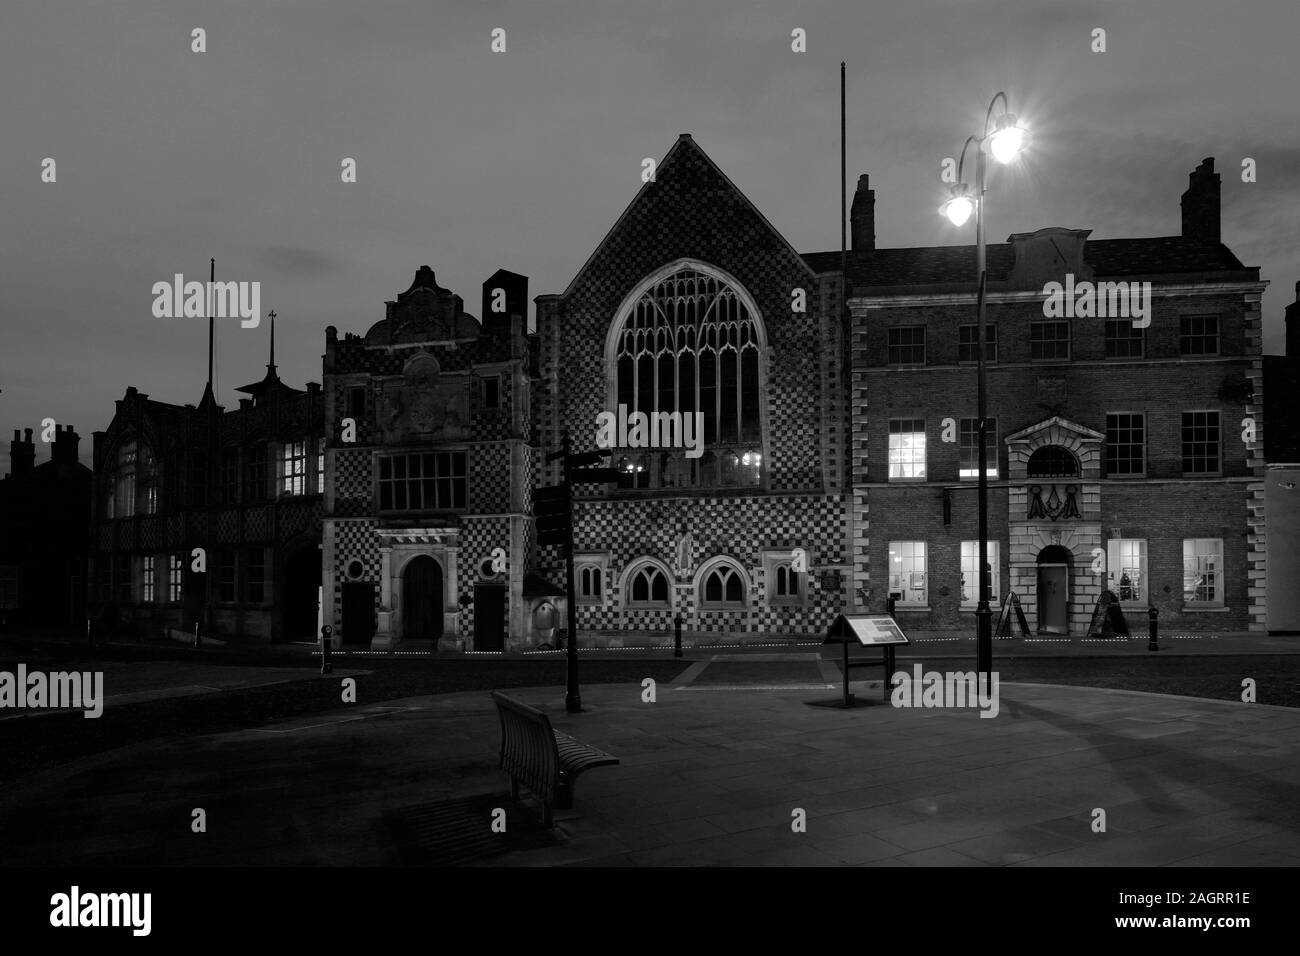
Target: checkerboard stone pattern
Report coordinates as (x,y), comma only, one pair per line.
(352,482)
(736,528)
(478,536)
(354,539)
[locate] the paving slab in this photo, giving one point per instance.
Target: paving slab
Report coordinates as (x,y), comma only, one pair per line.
(706,778)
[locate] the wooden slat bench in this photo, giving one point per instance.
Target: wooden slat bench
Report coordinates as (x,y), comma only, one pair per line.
(545,760)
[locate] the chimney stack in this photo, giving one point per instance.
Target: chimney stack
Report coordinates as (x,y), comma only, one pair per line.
(862,218)
(513,300)
(22,454)
(1201,203)
(65,445)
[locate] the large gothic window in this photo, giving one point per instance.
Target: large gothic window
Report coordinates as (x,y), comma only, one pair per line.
(689,343)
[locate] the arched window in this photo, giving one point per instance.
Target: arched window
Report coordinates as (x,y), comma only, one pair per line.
(1053,461)
(787,581)
(647,587)
(723,586)
(124,480)
(589,582)
(688,350)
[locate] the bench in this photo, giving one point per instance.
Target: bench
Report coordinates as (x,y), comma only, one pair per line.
(545,760)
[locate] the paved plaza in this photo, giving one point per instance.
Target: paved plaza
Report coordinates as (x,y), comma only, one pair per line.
(711,773)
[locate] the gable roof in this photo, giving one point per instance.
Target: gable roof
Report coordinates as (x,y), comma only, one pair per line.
(684,146)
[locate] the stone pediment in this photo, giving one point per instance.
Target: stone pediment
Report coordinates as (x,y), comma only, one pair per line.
(1054,428)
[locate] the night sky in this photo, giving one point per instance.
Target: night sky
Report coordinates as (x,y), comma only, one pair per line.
(470,161)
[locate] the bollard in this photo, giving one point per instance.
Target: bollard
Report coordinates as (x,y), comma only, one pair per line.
(1152,615)
(326,650)
(677,636)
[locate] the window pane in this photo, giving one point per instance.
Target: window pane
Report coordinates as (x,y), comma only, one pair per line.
(907,572)
(1198,334)
(1049,341)
(1200,442)
(968,466)
(906,448)
(1125,444)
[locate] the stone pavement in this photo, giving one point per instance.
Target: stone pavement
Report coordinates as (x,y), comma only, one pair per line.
(710,775)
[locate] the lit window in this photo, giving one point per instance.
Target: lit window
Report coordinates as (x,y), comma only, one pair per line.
(1203,571)
(1126,569)
(906,448)
(970,573)
(294,471)
(969,435)
(146,579)
(320,469)
(1125,444)
(648,588)
(907,577)
(175,571)
(1200,443)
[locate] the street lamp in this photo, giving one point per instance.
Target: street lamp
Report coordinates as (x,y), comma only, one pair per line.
(1005,139)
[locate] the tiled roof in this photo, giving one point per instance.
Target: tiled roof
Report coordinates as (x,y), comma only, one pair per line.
(946,265)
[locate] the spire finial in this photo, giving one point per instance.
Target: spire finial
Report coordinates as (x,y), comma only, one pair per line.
(271,316)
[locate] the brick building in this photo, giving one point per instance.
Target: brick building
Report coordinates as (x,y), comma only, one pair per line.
(1118,457)
(427,539)
(241,486)
(44,528)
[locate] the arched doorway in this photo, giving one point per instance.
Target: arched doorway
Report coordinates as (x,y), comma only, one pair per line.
(422,599)
(1054,563)
(302,594)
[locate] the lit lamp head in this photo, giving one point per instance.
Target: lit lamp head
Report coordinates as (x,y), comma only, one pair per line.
(959,206)
(1008,138)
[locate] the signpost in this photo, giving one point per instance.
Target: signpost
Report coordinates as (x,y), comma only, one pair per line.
(553,510)
(866,630)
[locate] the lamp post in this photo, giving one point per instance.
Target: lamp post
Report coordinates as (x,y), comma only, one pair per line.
(1005,141)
